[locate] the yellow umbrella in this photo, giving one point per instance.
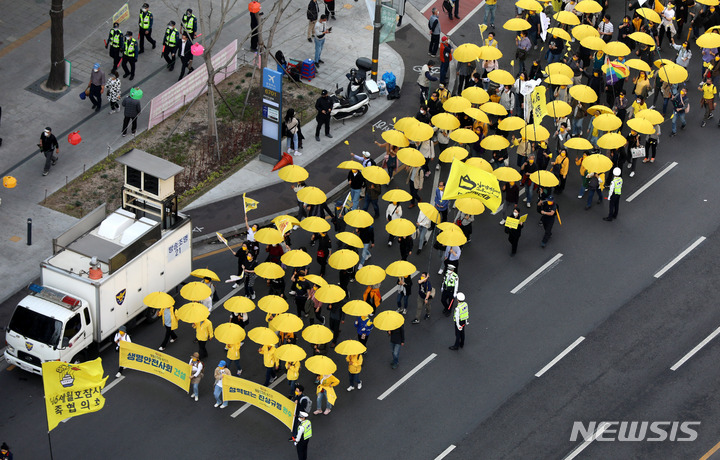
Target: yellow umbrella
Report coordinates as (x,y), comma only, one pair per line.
(296,258)
(350,239)
(708,40)
(290,219)
(464,136)
(651,115)
(358,218)
(476,95)
(317,280)
(642,37)
(357,308)
(641,125)
(616,48)
(268,235)
(396,138)
(583,31)
(370,274)
(192,312)
(388,320)
(451,153)
(558,108)
(456,104)
(471,206)
(352,164)
(578,143)
(529,5)
(673,73)
(405,122)
(544,178)
(286,322)
(560,33)
(314,224)
(317,334)
(511,124)
(611,141)
(593,43)
(397,195)
(195,291)
(311,195)
(588,6)
(559,68)
(400,227)
(494,142)
(451,226)
(479,163)
(453,236)
(159,300)
(507,174)
(467,52)
(661,62)
(204,273)
(273,304)
(566,17)
(607,122)
(709,3)
(535,133)
(332,293)
(350,347)
(494,108)
(376,175)
(269,271)
(400,268)
(638,64)
(239,304)
(490,53)
(502,77)
(446,121)
(516,25)
(321,365)
(583,93)
(419,132)
(411,157)
(430,212)
(649,14)
(599,108)
(293,173)
(290,352)
(229,333)
(343,259)
(477,114)
(263,336)
(558,79)
(597,163)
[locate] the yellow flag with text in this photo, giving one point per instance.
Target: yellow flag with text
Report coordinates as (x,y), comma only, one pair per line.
(249,203)
(260,396)
(283,225)
(134,356)
(72,389)
(539,104)
(469,181)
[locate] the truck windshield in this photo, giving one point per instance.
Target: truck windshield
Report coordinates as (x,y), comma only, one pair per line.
(36,326)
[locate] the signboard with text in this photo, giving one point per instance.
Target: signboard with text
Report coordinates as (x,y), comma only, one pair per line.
(272,117)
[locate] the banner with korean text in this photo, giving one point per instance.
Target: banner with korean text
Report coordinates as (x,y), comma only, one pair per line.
(260,396)
(134,356)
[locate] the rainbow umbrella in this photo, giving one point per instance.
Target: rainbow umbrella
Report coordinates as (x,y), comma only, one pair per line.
(615,71)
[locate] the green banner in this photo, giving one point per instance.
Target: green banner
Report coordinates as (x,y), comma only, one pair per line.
(388,16)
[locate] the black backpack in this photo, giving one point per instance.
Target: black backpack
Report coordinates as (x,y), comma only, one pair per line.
(312,11)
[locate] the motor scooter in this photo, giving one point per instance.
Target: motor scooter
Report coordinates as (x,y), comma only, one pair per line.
(355,102)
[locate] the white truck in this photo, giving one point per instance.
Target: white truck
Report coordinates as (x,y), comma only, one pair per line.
(101,270)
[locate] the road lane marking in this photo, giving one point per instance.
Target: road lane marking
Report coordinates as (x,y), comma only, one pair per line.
(651,181)
(601,429)
(467,16)
(407,376)
(427,7)
(695,350)
(246,405)
(395,288)
(679,257)
(537,273)
(560,356)
(711,452)
(445,452)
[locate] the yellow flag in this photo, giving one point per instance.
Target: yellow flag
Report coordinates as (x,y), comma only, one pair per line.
(221,238)
(284,225)
(347,204)
(72,389)
(512,63)
(250,204)
(470,181)
(539,104)
(347,142)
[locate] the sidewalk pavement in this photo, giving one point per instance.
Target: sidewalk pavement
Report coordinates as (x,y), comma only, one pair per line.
(26,113)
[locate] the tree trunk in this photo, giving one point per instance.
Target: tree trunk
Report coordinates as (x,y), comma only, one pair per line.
(211,95)
(56,80)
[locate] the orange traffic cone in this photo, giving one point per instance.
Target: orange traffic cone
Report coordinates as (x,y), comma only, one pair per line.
(284,161)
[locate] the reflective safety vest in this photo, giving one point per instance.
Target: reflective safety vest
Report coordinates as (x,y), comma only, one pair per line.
(616,185)
(144,21)
(450,280)
(129,47)
(171,36)
(307,429)
(188,22)
(462,309)
(115,38)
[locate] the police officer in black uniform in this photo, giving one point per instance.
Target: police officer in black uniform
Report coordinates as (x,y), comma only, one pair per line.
(170,45)
(115,44)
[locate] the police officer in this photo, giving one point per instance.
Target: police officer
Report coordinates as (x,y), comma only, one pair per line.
(614,195)
(115,43)
(189,23)
(548,210)
(145,23)
(304,433)
(170,45)
(129,55)
(450,285)
(461,320)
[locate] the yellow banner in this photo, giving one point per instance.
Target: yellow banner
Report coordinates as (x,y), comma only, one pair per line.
(249,203)
(134,356)
(260,396)
(122,14)
(72,389)
(538,100)
(469,181)
(512,222)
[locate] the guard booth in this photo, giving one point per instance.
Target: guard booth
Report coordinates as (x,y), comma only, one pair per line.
(149,188)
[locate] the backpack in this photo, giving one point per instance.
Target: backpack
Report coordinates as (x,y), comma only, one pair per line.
(312,11)
(394,94)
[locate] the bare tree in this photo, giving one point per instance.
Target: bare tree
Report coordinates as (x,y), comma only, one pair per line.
(56,80)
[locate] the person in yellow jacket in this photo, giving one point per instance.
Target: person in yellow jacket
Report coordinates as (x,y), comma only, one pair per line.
(271,363)
(326,392)
(170,322)
(561,166)
(203,333)
(293,373)
(354,367)
(233,355)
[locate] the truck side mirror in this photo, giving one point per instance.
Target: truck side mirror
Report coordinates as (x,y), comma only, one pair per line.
(65,342)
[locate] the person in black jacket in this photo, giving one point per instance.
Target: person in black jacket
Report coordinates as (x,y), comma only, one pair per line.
(49,146)
(323,106)
(323,252)
(185,55)
(397,340)
(312,15)
(514,233)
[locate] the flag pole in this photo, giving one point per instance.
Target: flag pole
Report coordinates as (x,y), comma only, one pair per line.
(50,444)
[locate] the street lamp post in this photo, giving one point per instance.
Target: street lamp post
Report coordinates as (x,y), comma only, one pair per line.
(376,40)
